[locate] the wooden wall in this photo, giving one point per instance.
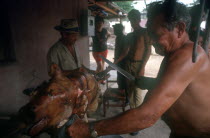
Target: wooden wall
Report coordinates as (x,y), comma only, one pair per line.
(31,24)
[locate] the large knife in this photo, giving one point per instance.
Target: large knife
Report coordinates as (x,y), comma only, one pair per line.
(120,70)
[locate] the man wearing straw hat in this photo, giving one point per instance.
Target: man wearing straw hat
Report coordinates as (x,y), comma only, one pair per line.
(64,52)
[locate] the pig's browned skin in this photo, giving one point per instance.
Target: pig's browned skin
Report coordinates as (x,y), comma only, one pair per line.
(67,93)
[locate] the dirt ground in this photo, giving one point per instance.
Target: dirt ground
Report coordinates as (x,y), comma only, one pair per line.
(160,129)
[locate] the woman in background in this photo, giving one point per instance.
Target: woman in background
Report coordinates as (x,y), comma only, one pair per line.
(100,43)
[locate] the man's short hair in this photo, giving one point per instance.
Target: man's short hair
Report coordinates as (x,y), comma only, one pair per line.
(172,12)
(134,14)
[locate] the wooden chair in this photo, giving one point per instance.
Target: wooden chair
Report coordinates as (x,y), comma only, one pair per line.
(113,97)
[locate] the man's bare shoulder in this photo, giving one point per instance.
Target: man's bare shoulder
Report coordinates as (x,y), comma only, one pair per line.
(185,54)
(179,58)
(181,61)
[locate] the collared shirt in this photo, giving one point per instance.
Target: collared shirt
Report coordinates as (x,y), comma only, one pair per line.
(60,55)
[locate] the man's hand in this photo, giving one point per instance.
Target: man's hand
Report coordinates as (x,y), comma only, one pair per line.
(79,129)
(109,68)
(145,82)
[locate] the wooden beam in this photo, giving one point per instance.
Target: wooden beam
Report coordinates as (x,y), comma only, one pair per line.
(90,5)
(115,17)
(93,1)
(117,7)
(106,8)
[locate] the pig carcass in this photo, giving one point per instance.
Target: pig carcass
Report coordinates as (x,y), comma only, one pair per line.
(66,93)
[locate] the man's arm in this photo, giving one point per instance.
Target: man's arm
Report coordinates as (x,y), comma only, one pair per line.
(177,76)
(81,69)
(147,53)
(146,82)
(145,59)
(108,34)
(126,48)
(122,56)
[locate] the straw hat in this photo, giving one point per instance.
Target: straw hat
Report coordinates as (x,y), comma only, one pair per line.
(68,25)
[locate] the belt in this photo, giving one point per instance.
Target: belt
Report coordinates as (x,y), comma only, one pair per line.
(131,60)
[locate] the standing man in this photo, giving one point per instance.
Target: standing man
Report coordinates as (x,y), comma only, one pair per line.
(119,46)
(182,92)
(137,51)
(64,52)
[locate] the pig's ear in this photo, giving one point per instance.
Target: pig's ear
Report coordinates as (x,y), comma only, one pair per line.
(55,71)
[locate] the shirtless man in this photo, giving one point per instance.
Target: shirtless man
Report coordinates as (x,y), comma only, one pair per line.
(136,55)
(182,94)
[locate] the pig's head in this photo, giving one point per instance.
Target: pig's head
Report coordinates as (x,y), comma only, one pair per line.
(52,103)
